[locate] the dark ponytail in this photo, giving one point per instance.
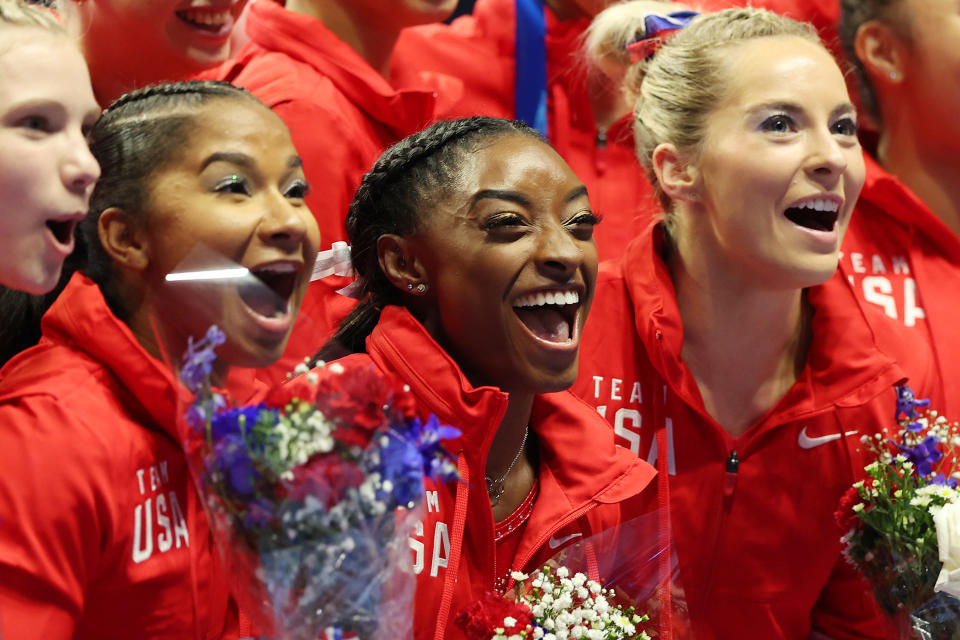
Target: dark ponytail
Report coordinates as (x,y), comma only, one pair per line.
(394,196)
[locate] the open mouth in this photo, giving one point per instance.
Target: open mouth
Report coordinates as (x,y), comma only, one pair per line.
(62,230)
(818,214)
(268,293)
(549,315)
(214,22)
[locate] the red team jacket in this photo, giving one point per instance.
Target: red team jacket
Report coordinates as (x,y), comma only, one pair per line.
(752,516)
(101,532)
(453,548)
(904,266)
(479,49)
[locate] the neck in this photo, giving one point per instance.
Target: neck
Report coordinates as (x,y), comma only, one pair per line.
(932,174)
(372,44)
(740,374)
(506,443)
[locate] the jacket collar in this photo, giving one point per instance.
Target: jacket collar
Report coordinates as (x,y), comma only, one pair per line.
(307,40)
(81,321)
(844,366)
(562,423)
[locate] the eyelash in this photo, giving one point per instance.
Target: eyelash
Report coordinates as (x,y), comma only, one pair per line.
(41,123)
(298,189)
(585,218)
(501,221)
(233,184)
(769,123)
(847,123)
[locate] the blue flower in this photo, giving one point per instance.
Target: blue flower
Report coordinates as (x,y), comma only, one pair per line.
(197,413)
(199,358)
(907,403)
(401,465)
(233,461)
(430,437)
(923,455)
(227,422)
(944,480)
(260,513)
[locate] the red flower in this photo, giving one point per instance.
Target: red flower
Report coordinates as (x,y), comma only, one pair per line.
(480,620)
(326,478)
(300,388)
(845,516)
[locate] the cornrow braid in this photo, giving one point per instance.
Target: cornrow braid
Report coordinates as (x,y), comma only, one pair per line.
(393,197)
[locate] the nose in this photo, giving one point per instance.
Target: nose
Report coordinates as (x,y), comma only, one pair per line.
(826,159)
(79,169)
(558,252)
(286,225)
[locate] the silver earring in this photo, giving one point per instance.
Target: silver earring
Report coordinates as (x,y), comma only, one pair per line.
(410,286)
(421,288)
(894,75)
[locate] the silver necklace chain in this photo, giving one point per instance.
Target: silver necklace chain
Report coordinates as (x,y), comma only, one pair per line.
(495,488)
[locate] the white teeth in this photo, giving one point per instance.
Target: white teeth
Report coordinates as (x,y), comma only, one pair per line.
(548,297)
(212,18)
(280,267)
(819,204)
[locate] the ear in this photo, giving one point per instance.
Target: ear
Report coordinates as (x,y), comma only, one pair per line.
(401,265)
(881,51)
(123,239)
(678,178)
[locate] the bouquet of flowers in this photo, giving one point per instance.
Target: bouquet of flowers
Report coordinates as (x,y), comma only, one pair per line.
(555,606)
(312,494)
(896,521)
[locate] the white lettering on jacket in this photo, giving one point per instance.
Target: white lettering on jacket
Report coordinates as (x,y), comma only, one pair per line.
(440,547)
(168,529)
(627,421)
(881,286)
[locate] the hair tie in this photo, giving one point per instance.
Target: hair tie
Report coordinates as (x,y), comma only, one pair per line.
(656,30)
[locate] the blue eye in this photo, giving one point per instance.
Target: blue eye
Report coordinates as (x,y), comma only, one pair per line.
(780,123)
(299,189)
(233,184)
(844,127)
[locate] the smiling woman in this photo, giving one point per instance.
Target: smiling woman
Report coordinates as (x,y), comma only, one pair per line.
(110,539)
(713,348)
(473,241)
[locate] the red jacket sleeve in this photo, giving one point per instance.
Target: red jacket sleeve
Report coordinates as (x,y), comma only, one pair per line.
(847,609)
(51,516)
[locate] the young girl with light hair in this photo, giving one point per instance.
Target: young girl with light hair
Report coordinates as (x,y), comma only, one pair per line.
(46,169)
(712,349)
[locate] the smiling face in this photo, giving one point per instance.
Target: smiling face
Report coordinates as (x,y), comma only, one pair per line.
(511,265)
(138,42)
(234,197)
(780,167)
(46,169)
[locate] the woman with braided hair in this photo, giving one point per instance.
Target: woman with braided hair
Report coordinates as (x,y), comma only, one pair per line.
(101,532)
(474,244)
(46,170)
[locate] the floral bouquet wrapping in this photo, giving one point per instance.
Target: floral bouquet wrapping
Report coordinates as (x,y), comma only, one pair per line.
(312,494)
(614,583)
(902,523)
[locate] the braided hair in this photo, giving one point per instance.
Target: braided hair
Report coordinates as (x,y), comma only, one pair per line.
(135,137)
(394,197)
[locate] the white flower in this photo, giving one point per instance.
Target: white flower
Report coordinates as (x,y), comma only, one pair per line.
(518,575)
(947,521)
(509,621)
(563,572)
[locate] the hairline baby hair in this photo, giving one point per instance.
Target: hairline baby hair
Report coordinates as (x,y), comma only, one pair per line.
(677,89)
(853,15)
(405,181)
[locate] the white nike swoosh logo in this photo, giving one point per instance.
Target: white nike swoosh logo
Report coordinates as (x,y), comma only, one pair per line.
(555,542)
(806,442)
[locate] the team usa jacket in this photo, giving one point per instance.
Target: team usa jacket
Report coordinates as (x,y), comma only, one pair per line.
(904,265)
(453,549)
(480,50)
(102,534)
(752,516)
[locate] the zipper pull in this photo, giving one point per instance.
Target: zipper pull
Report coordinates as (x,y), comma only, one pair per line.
(600,153)
(730,478)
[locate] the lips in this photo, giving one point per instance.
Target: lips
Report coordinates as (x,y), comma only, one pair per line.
(268,293)
(816,214)
(549,314)
(63,227)
(215,21)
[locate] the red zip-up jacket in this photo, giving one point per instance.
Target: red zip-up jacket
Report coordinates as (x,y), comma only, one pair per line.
(480,48)
(579,495)
(759,553)
(101,531)
(904,265)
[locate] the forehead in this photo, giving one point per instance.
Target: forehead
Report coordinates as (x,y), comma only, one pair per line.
(36,61)
(780,68)
(513,161)
(239,123)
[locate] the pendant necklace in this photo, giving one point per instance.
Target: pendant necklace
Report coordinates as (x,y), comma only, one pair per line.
(495,488)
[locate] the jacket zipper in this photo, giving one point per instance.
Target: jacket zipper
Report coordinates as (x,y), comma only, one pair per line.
(731,471)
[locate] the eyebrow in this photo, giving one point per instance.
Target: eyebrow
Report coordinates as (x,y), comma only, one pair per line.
(792,107)
(243,160)
(519,198)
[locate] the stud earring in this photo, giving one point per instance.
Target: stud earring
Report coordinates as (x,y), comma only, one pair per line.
(421,288)
(410,286)
(894,75)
